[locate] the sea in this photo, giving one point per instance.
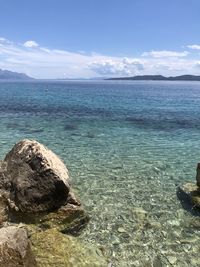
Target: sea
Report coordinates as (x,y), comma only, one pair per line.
(128,145)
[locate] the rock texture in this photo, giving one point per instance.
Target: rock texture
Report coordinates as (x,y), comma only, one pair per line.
(69,219)
(38,179)
(15,250)
(3,210)
(52,249)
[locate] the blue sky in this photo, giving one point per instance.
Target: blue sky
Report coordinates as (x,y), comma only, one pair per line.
(90,38)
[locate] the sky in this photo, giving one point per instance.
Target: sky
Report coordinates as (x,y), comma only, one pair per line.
(100,38)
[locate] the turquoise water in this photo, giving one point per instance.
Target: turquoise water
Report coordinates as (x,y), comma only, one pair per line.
(127,146)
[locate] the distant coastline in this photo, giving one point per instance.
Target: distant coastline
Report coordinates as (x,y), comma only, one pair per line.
(6,75)
(159,78)
(11,75)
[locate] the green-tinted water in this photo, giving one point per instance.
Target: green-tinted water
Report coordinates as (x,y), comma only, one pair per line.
(127,147)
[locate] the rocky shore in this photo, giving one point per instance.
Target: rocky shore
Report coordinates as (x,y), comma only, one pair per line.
(39,212)
(189,194)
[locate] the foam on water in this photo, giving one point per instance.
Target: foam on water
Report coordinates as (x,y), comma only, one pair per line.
(127,146)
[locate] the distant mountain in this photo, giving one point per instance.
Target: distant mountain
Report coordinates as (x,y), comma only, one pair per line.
(10,75)
(159,78)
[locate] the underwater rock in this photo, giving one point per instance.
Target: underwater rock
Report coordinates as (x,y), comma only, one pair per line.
(172,260)
(39,180)
(90,135)
(52,248)
(142,219)
(15,249)
(69,219)
(139,213)
(70,127)
(121,230)
(189,193)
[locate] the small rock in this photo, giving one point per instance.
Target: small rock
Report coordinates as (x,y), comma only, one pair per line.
(121,230)
(139,213)
(172,259)
(173,222)
(157,262)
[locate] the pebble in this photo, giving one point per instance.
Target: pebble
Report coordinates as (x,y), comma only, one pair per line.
(121,230)
(174,223)
(172,259)
(164,233)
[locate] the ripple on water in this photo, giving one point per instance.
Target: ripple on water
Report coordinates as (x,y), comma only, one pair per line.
(127,147)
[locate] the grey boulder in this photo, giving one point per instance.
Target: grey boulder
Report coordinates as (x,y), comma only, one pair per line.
(37,179)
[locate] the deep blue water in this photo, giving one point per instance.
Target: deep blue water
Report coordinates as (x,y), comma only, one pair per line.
(127,146)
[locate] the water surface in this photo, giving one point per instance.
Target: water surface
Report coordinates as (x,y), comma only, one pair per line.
(127,146)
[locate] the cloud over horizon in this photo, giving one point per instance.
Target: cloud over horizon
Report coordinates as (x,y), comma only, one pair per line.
(165,53)
(42,62)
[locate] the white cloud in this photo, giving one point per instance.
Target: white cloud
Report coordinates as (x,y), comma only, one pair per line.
(43,62)
(165,53)
(196,47)
(117,67)
(31,44)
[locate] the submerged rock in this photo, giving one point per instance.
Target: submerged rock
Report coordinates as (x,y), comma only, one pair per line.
(39,180)
(52,248)
(15,249)
(68,219)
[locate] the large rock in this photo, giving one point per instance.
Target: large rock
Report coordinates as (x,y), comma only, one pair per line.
(37,178)
(15,250)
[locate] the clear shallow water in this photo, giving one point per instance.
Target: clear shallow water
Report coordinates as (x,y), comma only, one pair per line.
(127,146)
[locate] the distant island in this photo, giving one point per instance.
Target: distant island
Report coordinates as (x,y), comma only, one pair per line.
(10,75)
(159,78)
